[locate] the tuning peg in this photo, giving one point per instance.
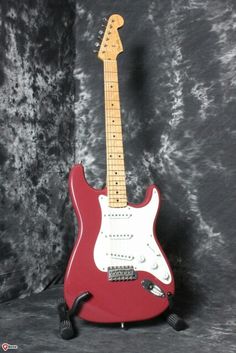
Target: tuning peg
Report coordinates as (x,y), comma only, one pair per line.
(97,44)
(95,51)
(100,32)
(104,19)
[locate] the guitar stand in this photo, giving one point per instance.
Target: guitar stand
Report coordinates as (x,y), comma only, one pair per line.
(172,318)
(67,329)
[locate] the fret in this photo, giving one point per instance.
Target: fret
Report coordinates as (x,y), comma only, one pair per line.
(118,149)
(111,86)
(114,134)
(110,76)
(112,187)
(117,202)
(116,174)
(116,168)
(111,109)
(112,96)
(114,131)
(118,161)
(116,178)
(112,99)
(114,139)
(110,114)
(114,143)
(115,161)
(113,120)
(111,150)
(114,196)
(120,195)
(112,104)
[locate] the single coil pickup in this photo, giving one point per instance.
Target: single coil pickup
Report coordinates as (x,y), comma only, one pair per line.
(121,273)
(119,236)
(120,256)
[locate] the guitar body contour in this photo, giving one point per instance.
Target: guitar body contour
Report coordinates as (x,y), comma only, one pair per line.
(116,238)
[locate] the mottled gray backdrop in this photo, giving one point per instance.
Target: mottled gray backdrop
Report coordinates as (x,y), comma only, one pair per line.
(36,143)
(177,87)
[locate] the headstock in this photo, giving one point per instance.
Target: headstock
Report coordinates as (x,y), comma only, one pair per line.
(111,44)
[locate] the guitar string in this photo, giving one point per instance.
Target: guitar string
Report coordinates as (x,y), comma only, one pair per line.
(110,161)
(110,260)
(112,146)
(122,187)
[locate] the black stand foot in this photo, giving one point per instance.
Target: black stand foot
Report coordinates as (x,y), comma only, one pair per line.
(66,316)
(173,319)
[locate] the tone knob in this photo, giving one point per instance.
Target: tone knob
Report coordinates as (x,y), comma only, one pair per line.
(166,276)
(154,265)
(141,259)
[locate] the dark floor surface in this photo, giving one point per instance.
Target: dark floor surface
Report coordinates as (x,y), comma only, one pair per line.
(32,325)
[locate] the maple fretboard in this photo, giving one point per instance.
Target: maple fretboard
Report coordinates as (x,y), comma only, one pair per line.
(116,184)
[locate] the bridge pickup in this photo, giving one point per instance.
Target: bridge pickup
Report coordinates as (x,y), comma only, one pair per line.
(121,273)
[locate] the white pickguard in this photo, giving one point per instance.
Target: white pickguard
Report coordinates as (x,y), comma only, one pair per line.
(126,239)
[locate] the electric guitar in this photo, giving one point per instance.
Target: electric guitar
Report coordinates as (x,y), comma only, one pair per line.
(116,257)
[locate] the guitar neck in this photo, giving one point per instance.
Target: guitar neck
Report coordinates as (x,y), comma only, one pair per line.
(116,184)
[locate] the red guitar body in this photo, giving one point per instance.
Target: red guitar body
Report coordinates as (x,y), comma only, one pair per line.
(111,301)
